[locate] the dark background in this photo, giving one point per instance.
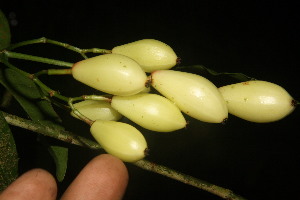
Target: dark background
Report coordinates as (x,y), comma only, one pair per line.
(258,38)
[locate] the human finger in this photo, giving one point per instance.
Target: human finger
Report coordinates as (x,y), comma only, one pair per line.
(105,177)
(35,184)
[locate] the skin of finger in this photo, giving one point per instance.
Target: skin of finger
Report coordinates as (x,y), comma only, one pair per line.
(35,184)
(105,177)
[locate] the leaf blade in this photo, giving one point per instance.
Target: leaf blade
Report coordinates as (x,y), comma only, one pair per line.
(5,36)
(29,97)
(8,155)
(60,156)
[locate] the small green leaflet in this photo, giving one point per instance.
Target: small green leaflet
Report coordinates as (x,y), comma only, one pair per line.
(60,156)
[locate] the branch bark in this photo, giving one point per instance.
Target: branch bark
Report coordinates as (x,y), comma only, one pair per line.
(144,164)
(59,134)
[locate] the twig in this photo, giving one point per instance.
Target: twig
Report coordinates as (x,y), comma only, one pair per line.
(82,52)
(69,137)
(144,164)
(22,56)
(187,179)
(59,134)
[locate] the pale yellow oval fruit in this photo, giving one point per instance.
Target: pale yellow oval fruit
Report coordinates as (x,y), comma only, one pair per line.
(149,53)
(111,73)
(94,110)
(151,111)
(193,94)
(146,90)
(258,101)
(120,139)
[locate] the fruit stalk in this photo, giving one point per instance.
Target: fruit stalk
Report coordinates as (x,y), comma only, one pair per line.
(82,52)
(78,114)
(22,56)
(52,93)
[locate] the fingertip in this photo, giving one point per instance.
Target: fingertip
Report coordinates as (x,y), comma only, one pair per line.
(107,160)
(104,177)
(109,167)
(35,184)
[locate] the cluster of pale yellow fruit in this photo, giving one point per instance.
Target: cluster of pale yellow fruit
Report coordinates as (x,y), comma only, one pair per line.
(127,75)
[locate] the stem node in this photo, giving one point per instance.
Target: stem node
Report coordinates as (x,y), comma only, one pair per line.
(52,93)
(76,112)
(31,76)
(43,40)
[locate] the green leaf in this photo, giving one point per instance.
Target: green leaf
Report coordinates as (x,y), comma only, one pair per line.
(22,84)
(29,96)
(4,32)
(60,156)
(201,69)
(8,155)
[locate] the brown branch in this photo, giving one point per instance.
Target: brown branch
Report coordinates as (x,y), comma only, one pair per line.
(144,164)
(187,179)
(59,134)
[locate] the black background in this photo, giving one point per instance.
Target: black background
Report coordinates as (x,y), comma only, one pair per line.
(258,38)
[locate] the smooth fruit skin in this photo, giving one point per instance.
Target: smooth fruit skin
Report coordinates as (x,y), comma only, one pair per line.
(151,111)
(94,110)
(120,139)
(193,94)
(149,53)
(111,73)
(257,101)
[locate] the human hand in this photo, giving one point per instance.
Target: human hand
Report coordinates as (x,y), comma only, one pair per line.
(104,178)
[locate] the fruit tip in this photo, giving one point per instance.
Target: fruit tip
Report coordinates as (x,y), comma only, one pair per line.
(148,81)
(178,61)
(146,151)
(224,121)
(186,125)
(294,103)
